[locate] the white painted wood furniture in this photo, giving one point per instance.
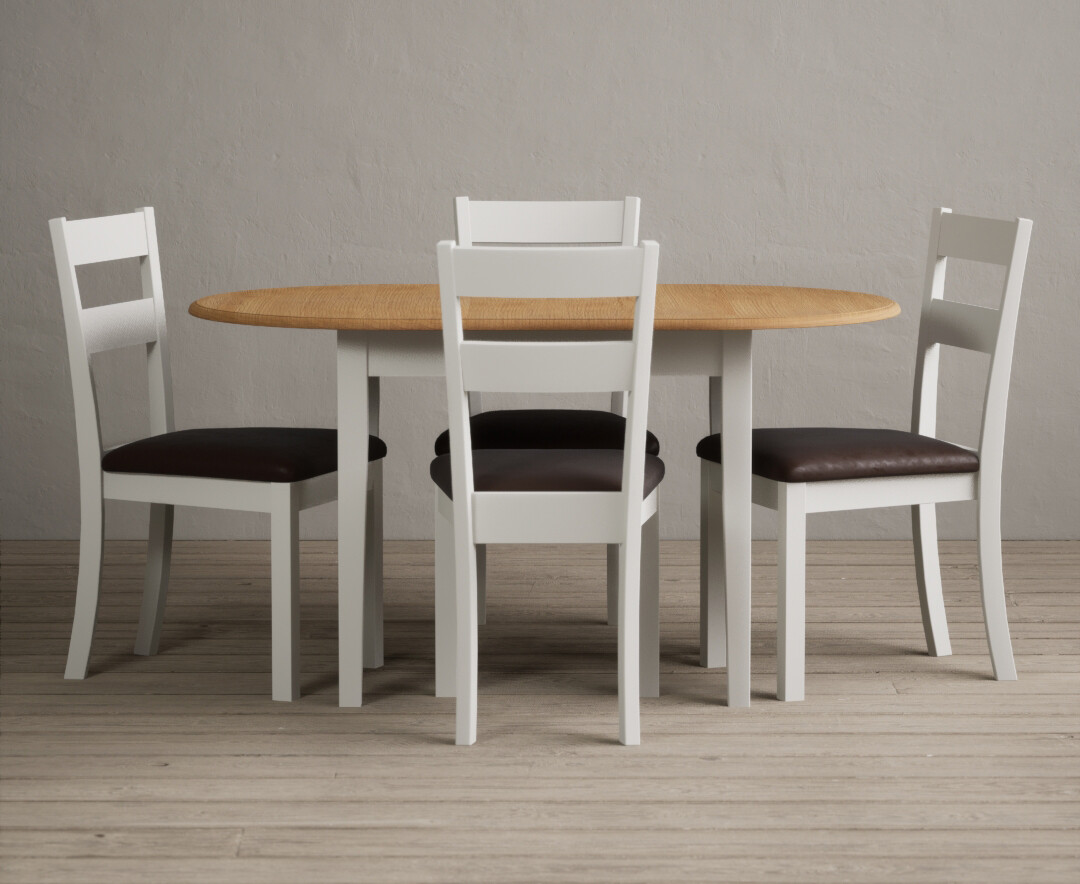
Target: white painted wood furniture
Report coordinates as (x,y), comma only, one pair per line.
(891,468)
(523,222)
(394,330)
(521,502)
(274,451)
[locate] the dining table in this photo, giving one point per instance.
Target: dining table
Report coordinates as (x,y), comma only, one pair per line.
(394,330)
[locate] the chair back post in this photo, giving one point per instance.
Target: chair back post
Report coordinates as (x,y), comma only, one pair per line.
(638,396)
(928,354)
(87,423)
(461,466)
(996,400)
(97,329)
(157,351)
(983,329)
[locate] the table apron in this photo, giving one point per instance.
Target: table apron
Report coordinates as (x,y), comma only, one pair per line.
(420,354)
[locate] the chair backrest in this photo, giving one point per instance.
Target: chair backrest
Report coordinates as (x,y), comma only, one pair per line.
(548,366)
(93,330)
(970,327)
(612,222)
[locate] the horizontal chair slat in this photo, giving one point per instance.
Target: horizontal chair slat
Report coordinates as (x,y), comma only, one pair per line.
(546,222)
(549,517)
(976,239)
(114,238)
(857,494)
(587,272)
(119,325)
(547,367)
(962,325)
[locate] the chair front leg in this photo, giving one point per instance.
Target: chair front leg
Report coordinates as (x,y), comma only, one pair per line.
(928,576)
(791,593)
(992,580)
(650,607)
(629,638)
(156,585)
(91,548)
(467,634)
(285,591)
(445,607)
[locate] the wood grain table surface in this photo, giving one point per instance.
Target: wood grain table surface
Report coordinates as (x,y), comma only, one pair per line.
(409,307)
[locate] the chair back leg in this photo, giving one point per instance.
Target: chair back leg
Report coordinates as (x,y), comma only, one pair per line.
(791,593)
(613,584)
(992,580)
(928,576)
(650,607)
(156,584)
(481,583)
(91,543)
(285,591)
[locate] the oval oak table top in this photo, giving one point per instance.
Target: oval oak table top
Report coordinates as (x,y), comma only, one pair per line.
(408,307)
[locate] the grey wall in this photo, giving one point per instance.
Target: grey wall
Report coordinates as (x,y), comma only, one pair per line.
(293,143)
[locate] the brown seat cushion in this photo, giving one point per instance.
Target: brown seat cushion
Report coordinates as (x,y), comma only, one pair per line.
(547,428)
(256,454)
(547,469)
(819,454)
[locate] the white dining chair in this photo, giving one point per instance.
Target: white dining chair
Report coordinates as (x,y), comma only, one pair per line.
(521,222)
(275,470)
(547,495)
(803,470)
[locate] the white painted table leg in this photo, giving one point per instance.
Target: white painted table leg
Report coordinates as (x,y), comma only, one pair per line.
(713,614)
(373,584)
(736,419)
(352,408)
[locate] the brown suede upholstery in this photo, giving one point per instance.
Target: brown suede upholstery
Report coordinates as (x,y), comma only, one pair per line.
(547,469)
(256,454)
(547,428)
(819,454)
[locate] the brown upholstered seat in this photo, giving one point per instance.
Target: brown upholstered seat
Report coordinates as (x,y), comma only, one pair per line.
(256,454)
(819,454)
(547,428)
(547,469)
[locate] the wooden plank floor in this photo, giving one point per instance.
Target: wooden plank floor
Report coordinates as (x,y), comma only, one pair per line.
(179,767)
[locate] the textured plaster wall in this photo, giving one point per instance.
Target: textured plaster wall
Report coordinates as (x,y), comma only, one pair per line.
(292,143)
